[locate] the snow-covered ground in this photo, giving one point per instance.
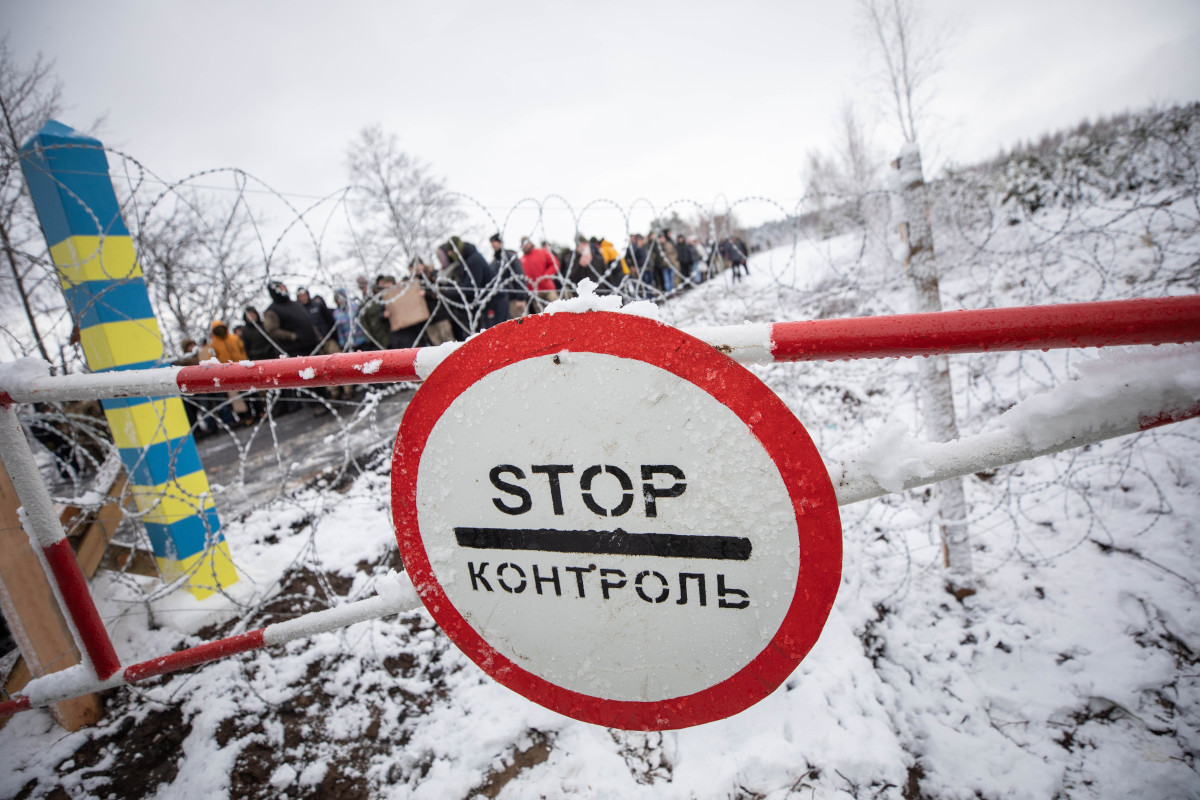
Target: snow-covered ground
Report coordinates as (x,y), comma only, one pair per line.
(1074,671)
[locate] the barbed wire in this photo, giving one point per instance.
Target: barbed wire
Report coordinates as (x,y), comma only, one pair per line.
(1001,239)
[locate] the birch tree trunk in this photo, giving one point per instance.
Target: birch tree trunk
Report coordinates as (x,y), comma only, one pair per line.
(911,207)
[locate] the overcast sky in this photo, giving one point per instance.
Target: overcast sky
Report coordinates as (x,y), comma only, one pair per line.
(584,100)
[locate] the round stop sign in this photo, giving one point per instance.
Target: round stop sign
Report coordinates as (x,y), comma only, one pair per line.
(615,520)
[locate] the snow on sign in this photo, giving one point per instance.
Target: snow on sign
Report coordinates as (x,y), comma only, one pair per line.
(615,520)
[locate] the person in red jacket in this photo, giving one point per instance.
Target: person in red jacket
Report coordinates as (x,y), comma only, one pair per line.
(541,271)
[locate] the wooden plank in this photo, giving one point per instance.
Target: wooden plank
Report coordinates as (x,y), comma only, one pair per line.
(100,529)
(121,558)
(33,614)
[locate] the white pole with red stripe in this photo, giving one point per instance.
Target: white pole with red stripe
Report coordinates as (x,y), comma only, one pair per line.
(44,529)
(1130,322)
(395,595)
(1165,320)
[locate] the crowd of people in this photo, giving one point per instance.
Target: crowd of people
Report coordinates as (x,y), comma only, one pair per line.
(460,293)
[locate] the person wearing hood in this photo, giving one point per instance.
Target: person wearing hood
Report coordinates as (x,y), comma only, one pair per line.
(485,303)
(226,346)
(288,323)
(608,251)
(191,354)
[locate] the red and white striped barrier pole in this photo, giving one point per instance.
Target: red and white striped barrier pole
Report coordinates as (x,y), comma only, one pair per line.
(853,481)
(1166,320)
(45,530)
(1128,322)
(396,595)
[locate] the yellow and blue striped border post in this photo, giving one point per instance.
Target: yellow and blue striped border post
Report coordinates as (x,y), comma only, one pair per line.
(67,175)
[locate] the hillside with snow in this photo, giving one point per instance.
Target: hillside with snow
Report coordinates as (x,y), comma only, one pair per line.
(1073,671)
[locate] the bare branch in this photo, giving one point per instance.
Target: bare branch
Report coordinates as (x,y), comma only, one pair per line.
(404,211)
(910,57)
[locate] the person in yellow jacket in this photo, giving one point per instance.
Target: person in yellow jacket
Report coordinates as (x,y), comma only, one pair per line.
(227,347)
(609,251)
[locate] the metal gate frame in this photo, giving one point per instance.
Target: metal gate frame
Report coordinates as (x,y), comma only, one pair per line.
(1157,321)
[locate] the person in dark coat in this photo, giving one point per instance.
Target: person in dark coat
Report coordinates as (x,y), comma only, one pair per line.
(287,322)
(687,261)
(319,313)
(506,265)
(635,263)
(254,337)
(597,254)
(578,265)
(588,262)
(733,251)
(258,347)
(485,303)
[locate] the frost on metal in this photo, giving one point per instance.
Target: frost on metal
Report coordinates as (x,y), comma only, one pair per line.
(17,377)
(1118,390)
(894,459)
(397,591)
(395,594)
(1115,395)
(37,511)
(27,387)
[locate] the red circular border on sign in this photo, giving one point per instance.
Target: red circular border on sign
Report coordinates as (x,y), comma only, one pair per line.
(772,424)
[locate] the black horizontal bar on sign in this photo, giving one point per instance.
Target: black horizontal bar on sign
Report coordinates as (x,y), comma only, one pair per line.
(606,543)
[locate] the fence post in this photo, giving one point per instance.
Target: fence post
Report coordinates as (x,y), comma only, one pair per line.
(92,250)
(911,206)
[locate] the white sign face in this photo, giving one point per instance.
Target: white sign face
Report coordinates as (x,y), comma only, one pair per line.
(610,538)
(660,500)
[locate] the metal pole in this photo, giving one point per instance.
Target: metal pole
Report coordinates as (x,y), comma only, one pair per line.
(1166,320)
